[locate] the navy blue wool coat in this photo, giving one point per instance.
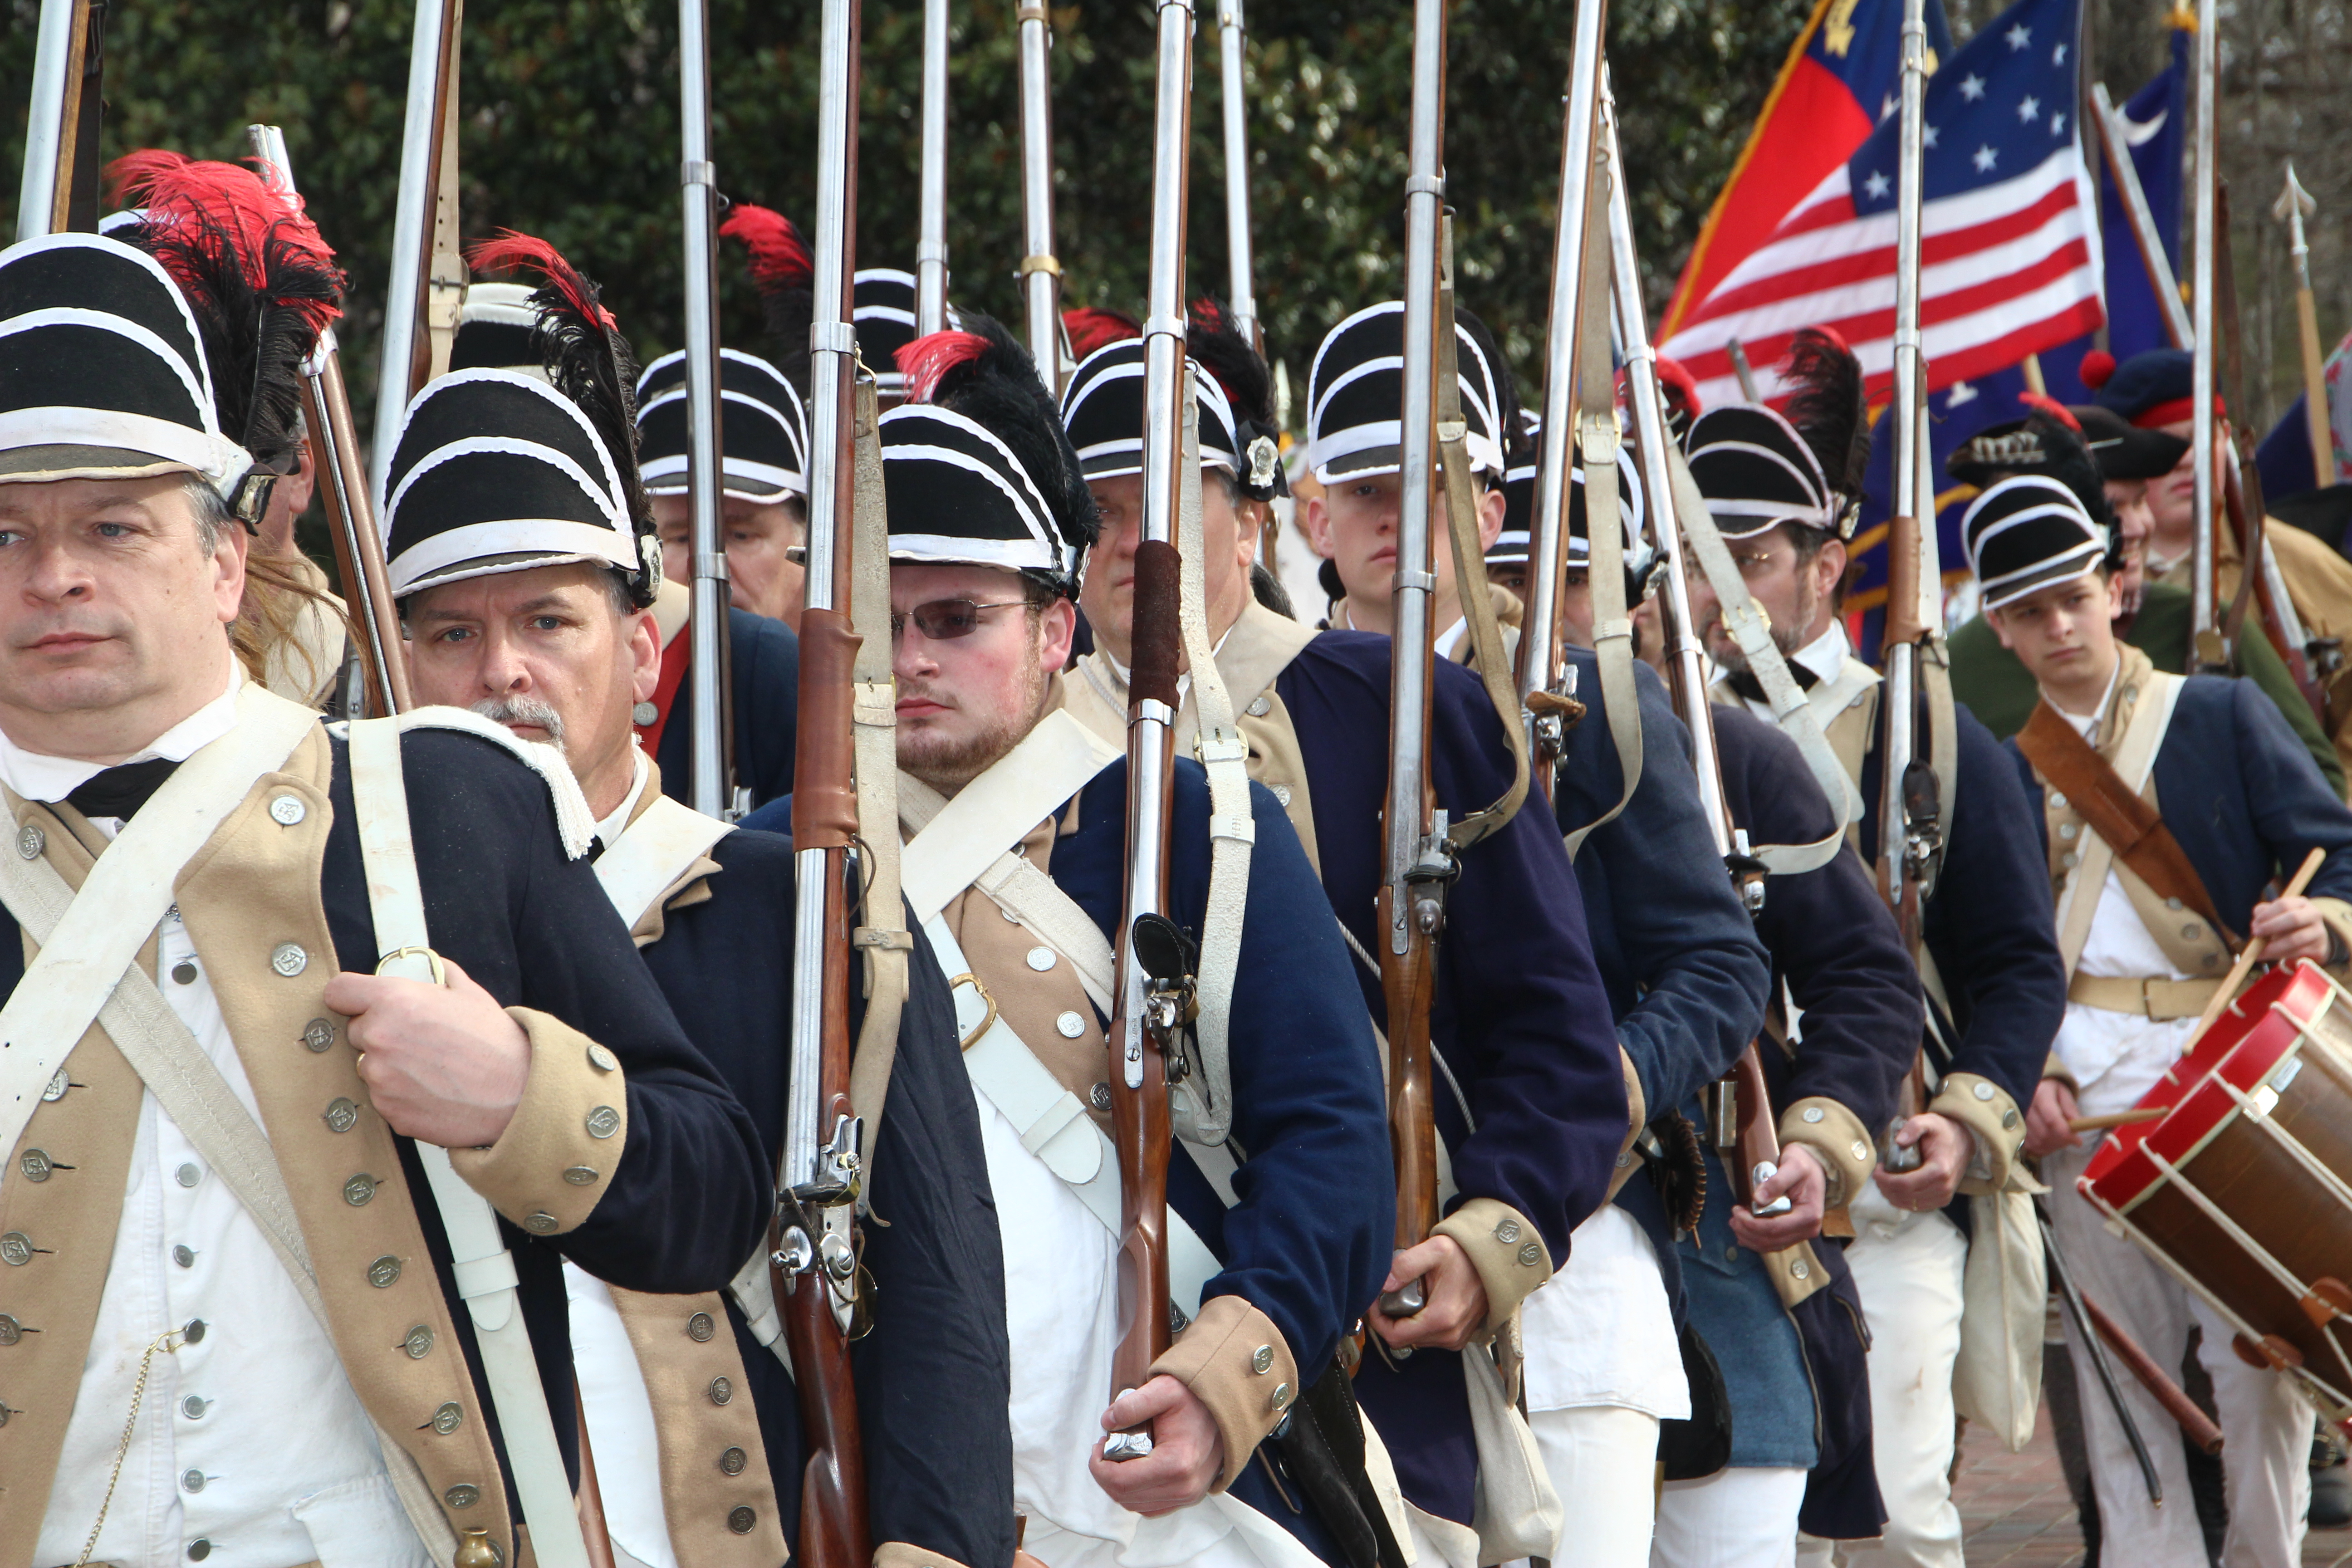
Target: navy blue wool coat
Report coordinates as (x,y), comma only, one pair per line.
(766,657)
(932,1377)
(1530,1102)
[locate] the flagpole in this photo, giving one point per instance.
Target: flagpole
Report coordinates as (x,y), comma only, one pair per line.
(2207,169)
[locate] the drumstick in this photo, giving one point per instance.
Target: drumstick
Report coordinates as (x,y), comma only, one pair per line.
(2115,1119)
(2251,953)
(2195,1424)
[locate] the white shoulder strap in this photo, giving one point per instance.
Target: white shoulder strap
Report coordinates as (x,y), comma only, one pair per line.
(482,1267)
(2134,760)
(126,894)
(653,852)
(987,816)
(573,820)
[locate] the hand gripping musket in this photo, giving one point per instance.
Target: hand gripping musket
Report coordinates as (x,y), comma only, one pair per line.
(931,244)
(1241,291)
(1041,269)
(428,282)
(814,1267)
(2293,206)
(343,487)
(1745,1136)
(1156,967)
(714,790)
(61,162)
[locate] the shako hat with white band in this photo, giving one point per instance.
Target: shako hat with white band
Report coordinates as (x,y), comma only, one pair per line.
(1515,542)
(102,374)
(976,468)
(1103,406)
(496,471)
(882,310)
(497,328)
(2027,532)
(1758,467)
(1355,396)
(762,436)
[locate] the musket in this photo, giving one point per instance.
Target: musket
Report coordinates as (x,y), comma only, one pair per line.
(1743,370)
(813,1264)
(2206,170)
(1743,1117)
(1420,863)
(2294,205)
(343,487)
(2091,1339)
(713,790)
(59,190)
(1542,658)
(1241,292)
(931,244)
(1155,970)
(1041,269)
(424,217)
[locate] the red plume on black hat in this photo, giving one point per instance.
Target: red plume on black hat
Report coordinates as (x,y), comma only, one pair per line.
(1091,327)
(1827,405)
(983,373)
(580,344)
(785,275)
(260,282)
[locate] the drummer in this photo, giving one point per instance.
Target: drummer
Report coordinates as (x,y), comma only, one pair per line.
(2146,936)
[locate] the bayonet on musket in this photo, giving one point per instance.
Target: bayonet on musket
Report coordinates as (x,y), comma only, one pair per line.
(931,241)
(1041,269)
(427,161)
(2293,206)
(1241,291)
(60,192)
(2211,653)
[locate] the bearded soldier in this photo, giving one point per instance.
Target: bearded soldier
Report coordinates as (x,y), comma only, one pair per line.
(1539,1121)
(231,1320)
(1017,826)
(557,649)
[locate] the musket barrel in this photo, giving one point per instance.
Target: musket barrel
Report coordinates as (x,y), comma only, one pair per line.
(931,246)
(1905,619)
(411,226)
(712,784)
(1242,291)
(53,47)
(1041,280)
(2207,169)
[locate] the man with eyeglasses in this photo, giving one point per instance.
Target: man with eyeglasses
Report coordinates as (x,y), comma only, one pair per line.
(689,1400)
(1015,818)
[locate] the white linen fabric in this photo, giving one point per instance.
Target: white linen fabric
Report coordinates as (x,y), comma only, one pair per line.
(1733,1519)
(1604,1463)
(1602,1332)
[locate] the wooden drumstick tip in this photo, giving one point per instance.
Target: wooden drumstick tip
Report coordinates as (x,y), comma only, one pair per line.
(2251,953)
(2117,1119)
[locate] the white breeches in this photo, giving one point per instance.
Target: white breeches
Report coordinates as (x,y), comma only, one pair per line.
(1733,1519)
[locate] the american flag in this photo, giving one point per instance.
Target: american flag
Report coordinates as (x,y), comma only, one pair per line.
(2011,261)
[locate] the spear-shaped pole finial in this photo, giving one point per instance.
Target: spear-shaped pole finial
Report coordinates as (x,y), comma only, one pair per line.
(2293,206)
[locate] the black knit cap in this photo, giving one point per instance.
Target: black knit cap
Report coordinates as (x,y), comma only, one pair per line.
(2125,450)
(2045,442)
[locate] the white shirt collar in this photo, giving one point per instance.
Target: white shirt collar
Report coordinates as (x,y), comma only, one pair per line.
(1825,655)
(1449,641)
(2087,725)
(34,776)
(611,827)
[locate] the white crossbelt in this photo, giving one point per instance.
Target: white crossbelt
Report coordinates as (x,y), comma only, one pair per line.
(653,852)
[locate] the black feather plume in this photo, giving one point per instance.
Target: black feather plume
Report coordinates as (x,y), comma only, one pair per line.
(1827,405)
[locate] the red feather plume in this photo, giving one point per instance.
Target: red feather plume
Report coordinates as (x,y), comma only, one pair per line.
(2052,407)
(928,359)
(1091,328)
(780,258)
(513,252)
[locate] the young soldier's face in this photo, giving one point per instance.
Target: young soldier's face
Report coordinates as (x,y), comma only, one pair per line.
(111,612)
(971,661)
(548,653)
(2063,634)
(1230,544)
(755,535)
(1353,521)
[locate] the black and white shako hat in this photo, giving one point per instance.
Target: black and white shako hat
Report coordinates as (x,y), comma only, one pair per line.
(976,469)
(1515,542)
(1355,397)
(102,374)
(763,435)
(1103,411)
(2027,532)
(882,309)
(1756,472)
(496,327)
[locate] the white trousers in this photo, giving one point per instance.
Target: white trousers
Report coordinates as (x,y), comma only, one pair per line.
(1602,1460)
(1909,1268)
(1733,1519)
(2266,1423)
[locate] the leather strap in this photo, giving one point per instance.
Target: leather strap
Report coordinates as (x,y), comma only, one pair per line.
(2115,811)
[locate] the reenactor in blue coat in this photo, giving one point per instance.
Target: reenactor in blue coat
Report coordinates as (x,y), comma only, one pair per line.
(1015,820)
(1538,1120)
(696,1429)
(2145,946)
(1782,491)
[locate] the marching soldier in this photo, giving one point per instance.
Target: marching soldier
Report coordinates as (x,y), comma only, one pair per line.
(1534,1136)
(2143,933)
(1783,492)
(688,1425)
(1015,817)
(228,1322)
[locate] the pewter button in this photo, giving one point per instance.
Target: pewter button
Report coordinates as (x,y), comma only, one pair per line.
(1282,794)
(193,1407)
(2008,1117)
(462,1495)
(721,1390)
(581,1175)
(31,841)
(318,1034)
(699,1328)
(187,1175)
(1259,707)
(2070,859)
(1799,1269)
(1508,1232)
(1731,1255)
(37,1165)
(446,1419)
(15,1248)
(1984,1092)
(341,1115)
(286,810)
(191,1480)
(1041,958)
(2189,932)
(1281,1396)
(2172,903)
(2067,830)
(418,1342)
(733,1461)
(643,714)
(1812,1113)
(11,1331)
(1861,1149)
(289,959)
(602,1059)
(193,1334)
(1262,1358)
(539,1223)
(57,1086)
(384,1272)
(359,1189)
(2057,801)
(1531,1254)
(1099,1097)
(1070,1026)
(604,1121)
(199,1549)
(741,1520)
(184,1256)
(184,972)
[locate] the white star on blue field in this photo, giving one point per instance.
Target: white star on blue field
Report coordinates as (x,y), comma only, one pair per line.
(1996,111)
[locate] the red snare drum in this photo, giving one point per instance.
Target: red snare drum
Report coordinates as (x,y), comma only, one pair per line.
(2243,1189)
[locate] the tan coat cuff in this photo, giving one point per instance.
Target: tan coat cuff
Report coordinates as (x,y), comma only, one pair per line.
(1235,1362)
(1504,1248)
(1637,1116)
(1795,1272)
(551,1167)
(899,1554)
(1993,1118)
(1838,1140)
